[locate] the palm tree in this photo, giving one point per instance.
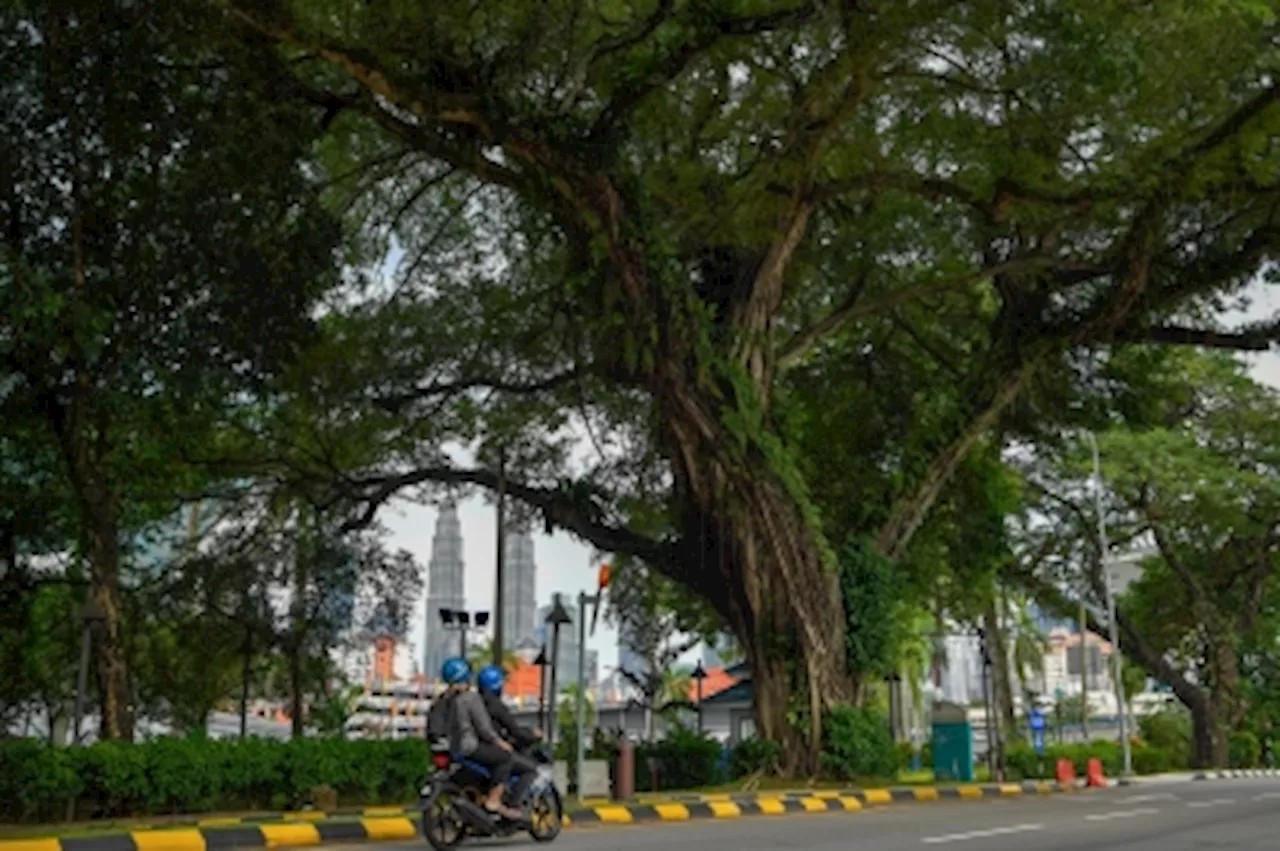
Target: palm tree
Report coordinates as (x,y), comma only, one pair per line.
(675,687)
(567,709)
(481,655)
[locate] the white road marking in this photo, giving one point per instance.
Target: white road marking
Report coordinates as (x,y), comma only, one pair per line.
(1142,799)
(981,834)
(1214,803)
(1268,796)
(1148,811)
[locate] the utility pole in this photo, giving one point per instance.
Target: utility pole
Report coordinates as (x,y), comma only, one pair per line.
(1118,681)
(499,607)
(1084,669)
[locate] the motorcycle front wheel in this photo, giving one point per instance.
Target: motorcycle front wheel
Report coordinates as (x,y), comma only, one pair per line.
(546,815)
(442,825)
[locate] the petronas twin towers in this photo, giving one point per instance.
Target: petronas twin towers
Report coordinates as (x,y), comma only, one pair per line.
(446,589)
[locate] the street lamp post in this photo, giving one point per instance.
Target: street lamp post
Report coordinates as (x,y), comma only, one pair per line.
(580,700)
(460,620)
(699,674)
(556,618)
(92,614)
(541,662)
(1118,681)
(895,704)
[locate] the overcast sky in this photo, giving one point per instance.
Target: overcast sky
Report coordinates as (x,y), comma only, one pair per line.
(565,564)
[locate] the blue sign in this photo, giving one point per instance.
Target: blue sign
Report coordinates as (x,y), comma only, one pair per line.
(1037,721)
(1037,739)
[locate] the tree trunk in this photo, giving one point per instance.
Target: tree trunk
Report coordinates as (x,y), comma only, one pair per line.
(246,672)
(1001,681)
(82,436)
(110,662)
(297,727)
(1209,736)
(767,576)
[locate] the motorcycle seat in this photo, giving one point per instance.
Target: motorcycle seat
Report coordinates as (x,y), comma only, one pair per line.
(479,769)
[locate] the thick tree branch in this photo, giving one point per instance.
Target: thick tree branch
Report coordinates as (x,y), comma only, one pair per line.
(666,69)
(910,511)
(1256,338)
(560,508)
(854,307)
(445,389)
(1170,555)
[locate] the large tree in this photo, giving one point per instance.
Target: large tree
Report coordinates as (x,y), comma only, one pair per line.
(652,210)
(1201,485)
(160,251)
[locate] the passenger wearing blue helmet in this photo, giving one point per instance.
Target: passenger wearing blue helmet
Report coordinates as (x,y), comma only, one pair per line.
(472,734)
(491,680)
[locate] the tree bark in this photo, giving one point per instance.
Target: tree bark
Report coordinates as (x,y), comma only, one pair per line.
(1001,680)
(767,577)
(100,541)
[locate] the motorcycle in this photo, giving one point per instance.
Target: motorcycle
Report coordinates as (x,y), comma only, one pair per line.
(452,802)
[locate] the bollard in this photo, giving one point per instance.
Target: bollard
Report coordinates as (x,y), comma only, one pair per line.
(1066,772)
(1095,777)
(624,771)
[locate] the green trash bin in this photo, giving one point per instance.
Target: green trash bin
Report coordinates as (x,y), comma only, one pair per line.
(952,743)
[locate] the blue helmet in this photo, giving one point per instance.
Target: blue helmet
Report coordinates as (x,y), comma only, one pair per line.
(455,671)
(491,679)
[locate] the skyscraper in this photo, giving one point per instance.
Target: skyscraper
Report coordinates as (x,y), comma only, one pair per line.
(444,589)
(629,659)
(519,589)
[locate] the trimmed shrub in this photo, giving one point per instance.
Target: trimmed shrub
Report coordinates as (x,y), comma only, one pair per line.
(1244,750)
(1169,730)
(753,755)
(684,760)
(857,745)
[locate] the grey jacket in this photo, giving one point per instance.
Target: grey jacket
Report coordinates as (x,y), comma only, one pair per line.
(469,723)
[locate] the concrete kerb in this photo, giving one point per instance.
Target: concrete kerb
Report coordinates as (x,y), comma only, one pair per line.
(729,806)
(400,823)
(1237,774)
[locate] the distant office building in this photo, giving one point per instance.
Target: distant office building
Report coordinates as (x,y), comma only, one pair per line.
(519,590)
(445,590)
(629,659)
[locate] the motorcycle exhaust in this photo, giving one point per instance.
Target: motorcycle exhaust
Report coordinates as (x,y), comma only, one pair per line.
(480,822)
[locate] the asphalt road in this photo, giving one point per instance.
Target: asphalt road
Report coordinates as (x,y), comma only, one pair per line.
(1220,814)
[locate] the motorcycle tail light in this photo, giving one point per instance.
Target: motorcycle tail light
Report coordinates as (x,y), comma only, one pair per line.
(440,760)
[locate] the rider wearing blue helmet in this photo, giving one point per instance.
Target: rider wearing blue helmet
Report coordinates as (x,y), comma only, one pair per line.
(472,734)
(491,680)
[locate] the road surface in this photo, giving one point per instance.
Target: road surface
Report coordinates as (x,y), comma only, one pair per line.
(1179,816)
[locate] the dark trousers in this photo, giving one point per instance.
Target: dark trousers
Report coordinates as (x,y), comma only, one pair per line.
(525,771)
(493,758)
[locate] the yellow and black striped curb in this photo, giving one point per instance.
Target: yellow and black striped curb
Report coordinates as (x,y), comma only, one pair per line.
(400,823)
(852,800)
(1236,774)
(242,836)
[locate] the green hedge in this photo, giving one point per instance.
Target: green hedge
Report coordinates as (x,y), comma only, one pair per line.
(1023,763)
(170,775)
(684,760)
(857,745)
